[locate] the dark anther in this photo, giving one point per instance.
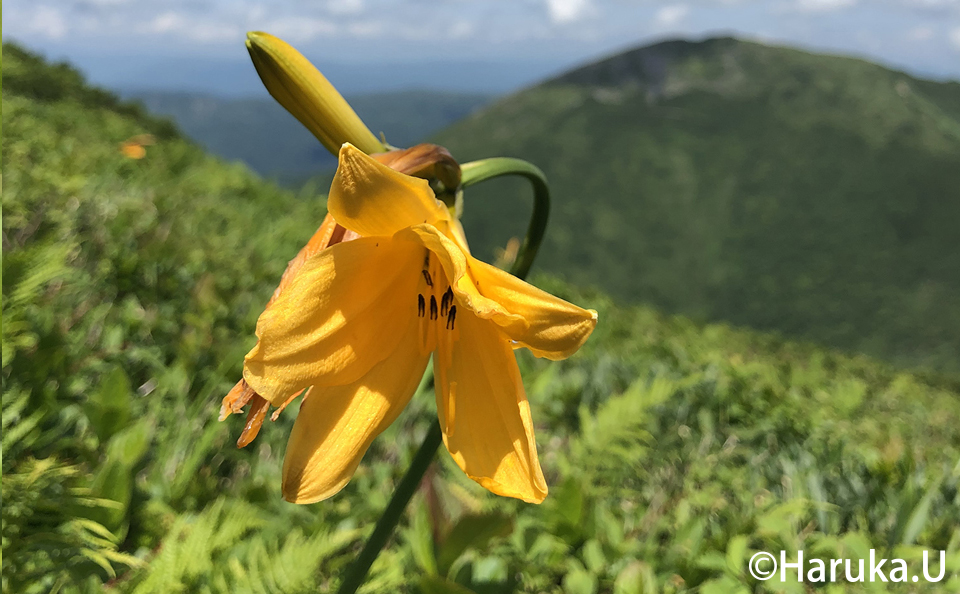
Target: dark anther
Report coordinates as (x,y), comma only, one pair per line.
(433,307)
(426,260)
(426,277)
(445,301)
(421,306)
(452,317)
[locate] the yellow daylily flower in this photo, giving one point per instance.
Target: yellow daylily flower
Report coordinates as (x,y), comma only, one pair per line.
(356,323)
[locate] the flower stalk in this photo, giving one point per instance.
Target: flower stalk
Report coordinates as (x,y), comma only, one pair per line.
(479,171)
(357,572)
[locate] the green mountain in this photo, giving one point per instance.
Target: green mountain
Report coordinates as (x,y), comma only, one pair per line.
(270,141)
(673,451)
(814,195)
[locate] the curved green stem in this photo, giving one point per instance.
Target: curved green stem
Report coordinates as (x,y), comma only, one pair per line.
(473,173)
(478,171)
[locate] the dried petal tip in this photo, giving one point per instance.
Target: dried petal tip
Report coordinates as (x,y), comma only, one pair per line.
(236,399)
(258,412)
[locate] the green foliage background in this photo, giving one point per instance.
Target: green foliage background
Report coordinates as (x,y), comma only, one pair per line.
(673,450)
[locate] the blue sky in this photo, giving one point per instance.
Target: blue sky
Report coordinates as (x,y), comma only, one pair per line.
(495,45)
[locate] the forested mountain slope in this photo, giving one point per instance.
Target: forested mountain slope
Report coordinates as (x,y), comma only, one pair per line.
(728,180)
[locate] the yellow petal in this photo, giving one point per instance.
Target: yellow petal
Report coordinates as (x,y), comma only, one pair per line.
(457,234)
(336,425)
(372,199)
(320,240)
(484,411)
(456,268)
(345,311)
(555,328)
(300,88)
(550,327)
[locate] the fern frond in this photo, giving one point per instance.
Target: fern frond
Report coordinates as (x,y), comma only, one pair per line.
(46,539)
(233,547)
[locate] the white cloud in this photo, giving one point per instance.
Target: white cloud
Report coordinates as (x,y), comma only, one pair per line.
(567,11)
(461,30)
(931,3)
(920,34)
(179,25)
(824,5)
(44,21)
(366,29)
(955,38)
(672,14)
(166,23)
(107,3)
(299,29)
(345,6)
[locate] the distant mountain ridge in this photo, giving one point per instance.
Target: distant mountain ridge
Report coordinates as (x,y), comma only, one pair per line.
(260,133)
(677,66)
(729,180)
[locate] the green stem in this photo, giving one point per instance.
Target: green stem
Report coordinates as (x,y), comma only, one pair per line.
(357,571)
(473,173)
(478,171)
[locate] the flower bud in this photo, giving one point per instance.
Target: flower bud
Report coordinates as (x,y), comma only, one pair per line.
(300,88)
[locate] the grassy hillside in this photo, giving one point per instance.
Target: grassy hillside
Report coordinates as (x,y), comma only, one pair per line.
(726,180)
(672,450)
(271,142)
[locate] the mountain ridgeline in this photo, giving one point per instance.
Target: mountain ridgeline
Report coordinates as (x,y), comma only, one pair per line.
(814,195)
(263,135)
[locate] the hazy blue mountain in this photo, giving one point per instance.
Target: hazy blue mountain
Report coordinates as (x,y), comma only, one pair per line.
(263,135)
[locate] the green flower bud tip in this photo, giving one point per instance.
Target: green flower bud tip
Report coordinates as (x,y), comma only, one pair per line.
(300,88)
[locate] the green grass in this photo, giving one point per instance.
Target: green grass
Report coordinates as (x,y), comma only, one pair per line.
(725,180)
(672,450)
